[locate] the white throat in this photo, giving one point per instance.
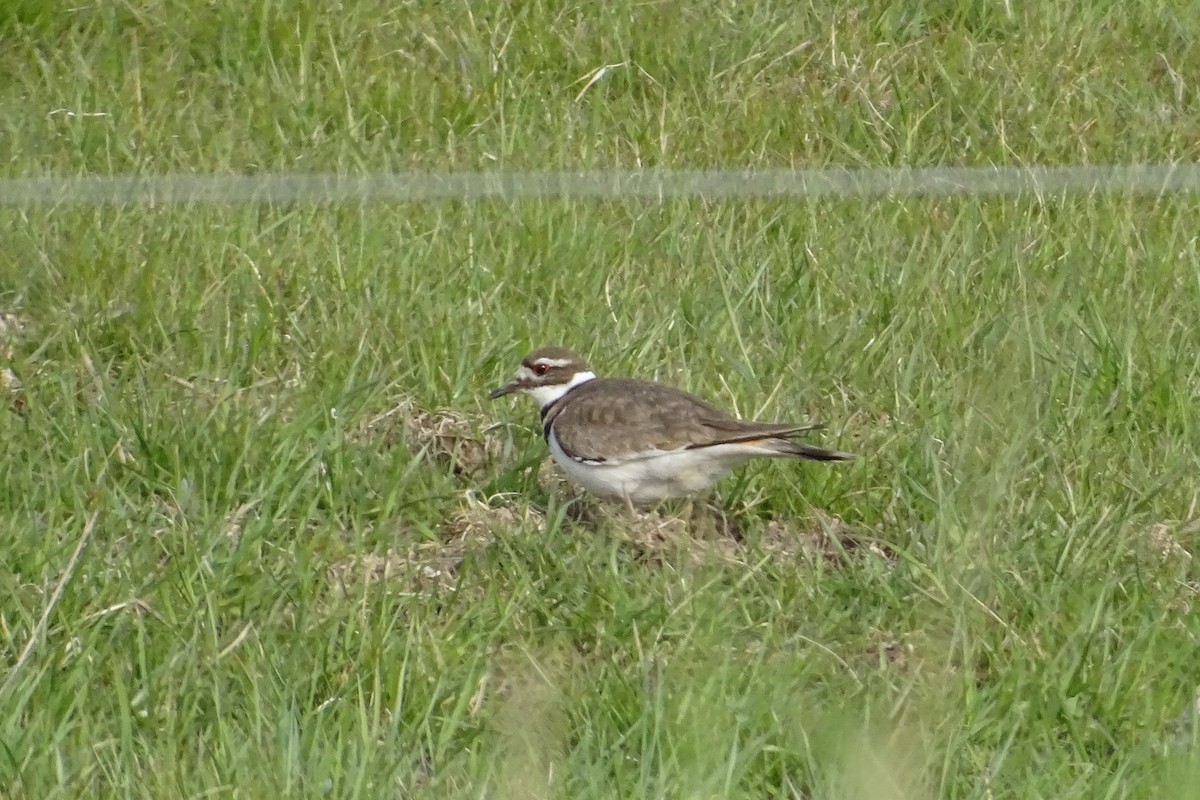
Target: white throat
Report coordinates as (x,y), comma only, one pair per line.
(545,395)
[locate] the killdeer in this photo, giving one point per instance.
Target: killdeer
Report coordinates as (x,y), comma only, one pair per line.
(640,440)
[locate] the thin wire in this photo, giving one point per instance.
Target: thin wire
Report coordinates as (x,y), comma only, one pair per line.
(188,189)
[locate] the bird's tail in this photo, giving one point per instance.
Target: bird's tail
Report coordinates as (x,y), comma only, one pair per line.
(778,441)
(786,447)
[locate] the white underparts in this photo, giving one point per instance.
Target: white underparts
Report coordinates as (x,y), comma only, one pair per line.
(655,474)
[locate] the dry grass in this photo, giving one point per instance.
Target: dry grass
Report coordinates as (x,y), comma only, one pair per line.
(443,437)
(1168,539)
(427,567)
(414,571)
(479,521)
(13,326)
(695,533)
(11,385)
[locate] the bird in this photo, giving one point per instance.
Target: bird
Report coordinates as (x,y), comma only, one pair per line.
(644,441)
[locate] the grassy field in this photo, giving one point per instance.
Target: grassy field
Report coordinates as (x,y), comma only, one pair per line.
(264,536)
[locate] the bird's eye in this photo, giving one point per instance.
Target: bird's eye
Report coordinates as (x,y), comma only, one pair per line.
(541,369)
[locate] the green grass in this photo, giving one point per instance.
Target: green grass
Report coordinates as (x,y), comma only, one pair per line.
(1021,376)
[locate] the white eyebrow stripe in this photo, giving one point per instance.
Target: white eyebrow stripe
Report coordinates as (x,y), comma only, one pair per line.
(553,362)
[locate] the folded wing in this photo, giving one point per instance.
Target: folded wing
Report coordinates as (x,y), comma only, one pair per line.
(648,419)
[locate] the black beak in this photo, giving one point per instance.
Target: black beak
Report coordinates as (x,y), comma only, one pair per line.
(503,390)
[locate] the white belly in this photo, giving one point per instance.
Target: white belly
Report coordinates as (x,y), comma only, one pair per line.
(653,477)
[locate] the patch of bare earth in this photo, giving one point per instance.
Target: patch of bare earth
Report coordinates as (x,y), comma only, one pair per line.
(460,443)
(703,533)
(827,539)
(407,571)
(479,521)
(661,536)
(426,568)
(441,437)
(12,327)
(891,653)
(12,387)
(1175,543)
(1170,541)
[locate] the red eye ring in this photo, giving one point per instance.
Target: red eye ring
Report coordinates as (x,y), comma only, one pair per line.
(541,369)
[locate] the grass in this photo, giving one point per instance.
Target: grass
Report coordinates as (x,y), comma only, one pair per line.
(313,560)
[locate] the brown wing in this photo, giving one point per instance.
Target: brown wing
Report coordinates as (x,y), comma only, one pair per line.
(591,425)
